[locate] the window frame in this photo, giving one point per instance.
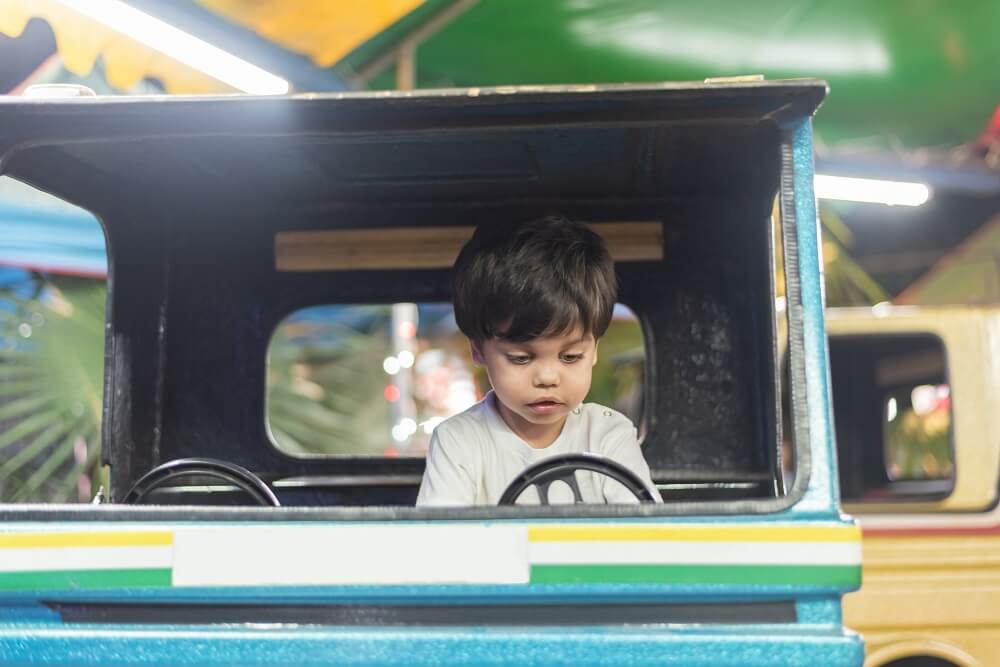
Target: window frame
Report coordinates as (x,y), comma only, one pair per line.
(632,316)
(898,491)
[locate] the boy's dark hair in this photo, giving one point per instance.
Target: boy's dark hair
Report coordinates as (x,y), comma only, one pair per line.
(541,278)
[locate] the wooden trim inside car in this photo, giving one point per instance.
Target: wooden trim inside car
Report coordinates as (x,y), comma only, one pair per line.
(432,247)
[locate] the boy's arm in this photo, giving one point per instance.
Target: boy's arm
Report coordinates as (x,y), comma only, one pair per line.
(448,480)
(626,451)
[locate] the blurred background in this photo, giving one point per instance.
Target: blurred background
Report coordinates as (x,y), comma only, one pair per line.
(907,153)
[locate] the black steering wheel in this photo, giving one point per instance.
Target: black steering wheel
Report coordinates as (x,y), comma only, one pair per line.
(236,475)
(563,468)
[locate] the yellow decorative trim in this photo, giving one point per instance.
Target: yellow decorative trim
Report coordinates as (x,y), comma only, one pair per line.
(323,30)
(81,41)
(85,539)
(694,534)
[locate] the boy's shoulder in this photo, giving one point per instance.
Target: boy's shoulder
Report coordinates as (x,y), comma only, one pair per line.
(606,430)
(601,421)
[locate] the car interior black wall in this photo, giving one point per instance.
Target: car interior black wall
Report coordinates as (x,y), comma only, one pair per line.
(195,295)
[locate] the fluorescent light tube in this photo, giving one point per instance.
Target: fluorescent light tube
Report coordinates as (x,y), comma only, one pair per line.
(180,46)
(892,193)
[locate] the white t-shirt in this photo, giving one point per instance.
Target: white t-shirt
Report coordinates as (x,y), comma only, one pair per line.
(474,456)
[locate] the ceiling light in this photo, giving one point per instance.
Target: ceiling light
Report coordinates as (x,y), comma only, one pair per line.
(892,193)
(180,46)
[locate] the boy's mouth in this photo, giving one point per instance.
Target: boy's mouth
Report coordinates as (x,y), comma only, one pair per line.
(545,405)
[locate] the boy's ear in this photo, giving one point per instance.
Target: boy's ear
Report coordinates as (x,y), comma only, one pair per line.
(477,352)
(596,344)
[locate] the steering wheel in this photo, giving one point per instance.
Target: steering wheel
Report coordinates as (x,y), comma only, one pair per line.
(236,475)
(563,468)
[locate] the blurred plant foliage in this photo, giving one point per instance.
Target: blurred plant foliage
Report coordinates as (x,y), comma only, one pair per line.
(918,442)
(322,374)
(51,374)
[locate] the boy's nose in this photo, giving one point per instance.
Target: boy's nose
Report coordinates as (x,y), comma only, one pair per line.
(546,377)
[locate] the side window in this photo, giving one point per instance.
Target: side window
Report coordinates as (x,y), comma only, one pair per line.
(892,404)
(52,306)
(374,380)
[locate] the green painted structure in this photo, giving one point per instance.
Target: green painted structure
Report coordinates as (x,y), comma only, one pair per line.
(911,73)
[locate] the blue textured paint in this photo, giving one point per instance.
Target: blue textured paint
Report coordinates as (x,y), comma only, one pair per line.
(664,645)
(819,611)
(822,493)
(499,595)
(31,612)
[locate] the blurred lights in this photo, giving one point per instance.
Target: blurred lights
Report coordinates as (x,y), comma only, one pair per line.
(665,35)
(180,46)
(391,365)
(407,329)
(461,395)
(892,409)
(431,424)
(869,190)
(404,429)
(927,398)
(391,393)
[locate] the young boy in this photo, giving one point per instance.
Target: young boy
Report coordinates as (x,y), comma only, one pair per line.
(534,302)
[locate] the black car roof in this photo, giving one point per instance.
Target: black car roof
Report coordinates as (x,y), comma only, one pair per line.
(305,148)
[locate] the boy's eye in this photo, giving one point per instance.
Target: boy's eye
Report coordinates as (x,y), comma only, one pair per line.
(518,359)
(570,358)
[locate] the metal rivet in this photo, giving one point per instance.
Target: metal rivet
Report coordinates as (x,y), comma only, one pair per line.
(576,411)
(607,413)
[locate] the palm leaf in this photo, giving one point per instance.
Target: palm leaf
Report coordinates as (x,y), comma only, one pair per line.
(51,375)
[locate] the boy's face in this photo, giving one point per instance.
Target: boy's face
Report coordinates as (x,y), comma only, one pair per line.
(538,382)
